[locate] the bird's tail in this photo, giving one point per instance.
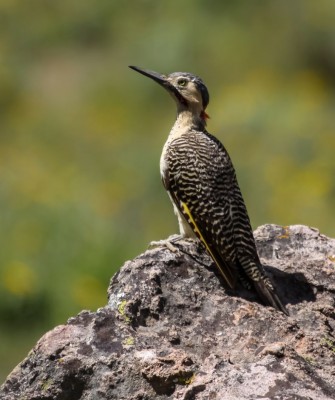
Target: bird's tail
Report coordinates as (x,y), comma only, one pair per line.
(269,295)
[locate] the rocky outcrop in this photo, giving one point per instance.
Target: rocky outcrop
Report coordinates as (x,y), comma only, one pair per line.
(172,331)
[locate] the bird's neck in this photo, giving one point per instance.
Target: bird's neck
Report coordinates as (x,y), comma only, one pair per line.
(188,120)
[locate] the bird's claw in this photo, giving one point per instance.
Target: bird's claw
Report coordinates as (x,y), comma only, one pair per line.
(168,243)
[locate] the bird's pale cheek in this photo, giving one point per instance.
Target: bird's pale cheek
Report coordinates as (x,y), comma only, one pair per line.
(192,99)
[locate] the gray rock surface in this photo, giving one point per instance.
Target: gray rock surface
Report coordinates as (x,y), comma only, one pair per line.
(172,331)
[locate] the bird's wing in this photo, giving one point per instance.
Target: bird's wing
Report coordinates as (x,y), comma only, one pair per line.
(226,268)
(198,181)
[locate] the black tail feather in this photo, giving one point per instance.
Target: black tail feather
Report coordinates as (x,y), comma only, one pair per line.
(269,296)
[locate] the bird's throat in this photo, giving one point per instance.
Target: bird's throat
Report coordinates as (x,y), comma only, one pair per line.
(186,121)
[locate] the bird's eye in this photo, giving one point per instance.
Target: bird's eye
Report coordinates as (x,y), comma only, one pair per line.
(182,82)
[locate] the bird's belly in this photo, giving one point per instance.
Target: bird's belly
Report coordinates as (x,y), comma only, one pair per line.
(163,164)
(184,227)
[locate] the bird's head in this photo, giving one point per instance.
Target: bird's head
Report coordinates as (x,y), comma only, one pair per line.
(188,90)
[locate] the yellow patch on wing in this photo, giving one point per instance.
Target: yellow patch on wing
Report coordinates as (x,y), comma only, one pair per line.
(187,214)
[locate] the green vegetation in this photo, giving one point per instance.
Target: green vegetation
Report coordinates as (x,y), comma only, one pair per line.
(81,135)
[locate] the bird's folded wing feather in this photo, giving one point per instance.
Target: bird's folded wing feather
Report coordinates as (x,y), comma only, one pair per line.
(201,185)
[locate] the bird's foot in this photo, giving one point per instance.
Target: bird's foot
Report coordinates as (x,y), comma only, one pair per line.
(168,243)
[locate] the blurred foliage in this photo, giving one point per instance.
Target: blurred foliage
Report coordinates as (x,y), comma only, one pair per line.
(81,135)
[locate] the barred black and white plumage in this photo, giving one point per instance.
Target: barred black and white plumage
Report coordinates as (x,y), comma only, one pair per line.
(200,178)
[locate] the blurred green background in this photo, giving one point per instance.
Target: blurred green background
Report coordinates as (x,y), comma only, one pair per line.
(81,135)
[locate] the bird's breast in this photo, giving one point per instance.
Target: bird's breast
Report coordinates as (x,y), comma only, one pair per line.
(163,164)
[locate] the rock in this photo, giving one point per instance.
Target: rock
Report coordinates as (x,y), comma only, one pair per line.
(172,331)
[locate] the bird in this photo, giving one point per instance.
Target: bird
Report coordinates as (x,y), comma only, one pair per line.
(199,176)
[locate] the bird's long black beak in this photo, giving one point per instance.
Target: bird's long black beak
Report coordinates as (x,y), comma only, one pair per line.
(163,81)
(159,78)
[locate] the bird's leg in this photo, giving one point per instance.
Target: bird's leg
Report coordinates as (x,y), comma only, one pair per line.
(171,244)
(186,234)
(168,243)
